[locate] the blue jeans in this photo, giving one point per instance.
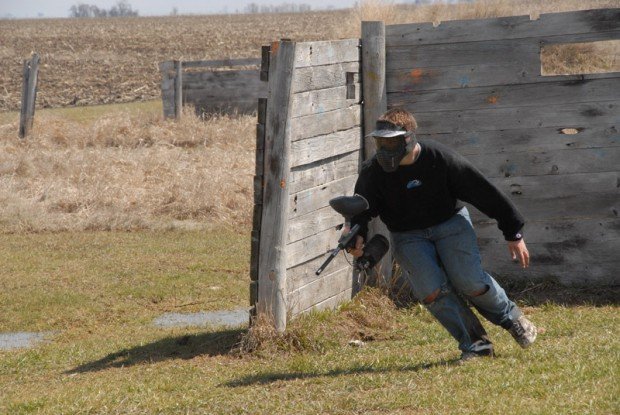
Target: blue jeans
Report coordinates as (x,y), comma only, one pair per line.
(445,257)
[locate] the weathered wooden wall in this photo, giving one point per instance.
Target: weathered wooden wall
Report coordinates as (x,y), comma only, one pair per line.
(310,154)
(476,85)
(210,88)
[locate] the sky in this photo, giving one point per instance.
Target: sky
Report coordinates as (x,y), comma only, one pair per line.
(60,8)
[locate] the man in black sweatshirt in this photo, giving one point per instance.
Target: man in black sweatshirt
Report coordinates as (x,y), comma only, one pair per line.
(415,188)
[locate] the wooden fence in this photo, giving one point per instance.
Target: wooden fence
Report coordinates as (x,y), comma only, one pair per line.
(550,142)
(210,86)
(308,151)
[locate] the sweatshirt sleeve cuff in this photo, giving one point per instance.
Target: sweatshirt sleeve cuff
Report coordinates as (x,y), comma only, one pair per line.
(514,237)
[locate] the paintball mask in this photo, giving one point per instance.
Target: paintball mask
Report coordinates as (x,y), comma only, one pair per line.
(391,144)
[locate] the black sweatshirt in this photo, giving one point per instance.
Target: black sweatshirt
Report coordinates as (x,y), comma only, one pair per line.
(425,193)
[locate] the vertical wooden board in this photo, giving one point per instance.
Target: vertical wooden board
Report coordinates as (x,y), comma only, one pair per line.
(178,89)
(23,129)
(328,52)
(264,64)
(373,77)
(274,224)
(325,146)
(167,88)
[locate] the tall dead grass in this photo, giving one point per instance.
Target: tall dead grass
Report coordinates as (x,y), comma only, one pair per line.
(126,172)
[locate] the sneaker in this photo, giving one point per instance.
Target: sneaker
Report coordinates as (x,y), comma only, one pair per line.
(523,331)
(479,348)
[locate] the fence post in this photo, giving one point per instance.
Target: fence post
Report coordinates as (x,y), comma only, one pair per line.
(178,89)
(272,292)
(375,104)
(29,95)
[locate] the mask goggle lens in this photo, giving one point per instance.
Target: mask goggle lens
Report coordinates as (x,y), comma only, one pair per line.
(390,143)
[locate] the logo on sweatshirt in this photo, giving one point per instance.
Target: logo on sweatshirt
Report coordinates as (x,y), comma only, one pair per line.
(413,184)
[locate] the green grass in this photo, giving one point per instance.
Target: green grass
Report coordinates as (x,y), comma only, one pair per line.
(100,291)
(90,113)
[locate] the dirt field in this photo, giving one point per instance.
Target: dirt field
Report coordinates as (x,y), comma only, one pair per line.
(100,61)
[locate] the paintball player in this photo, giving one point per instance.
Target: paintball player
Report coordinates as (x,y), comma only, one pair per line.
(415,187)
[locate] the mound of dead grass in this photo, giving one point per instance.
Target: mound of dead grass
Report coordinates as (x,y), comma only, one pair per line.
(127,172)
(371,315)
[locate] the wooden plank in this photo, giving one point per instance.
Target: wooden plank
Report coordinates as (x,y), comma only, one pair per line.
(254,253)
(323,100)
(318,197)
(324,171)
(317,245)
(543,116)
(557,162)
(235,81)
(534,140)
(552,186)
(501,96)
(325,146)
(513,27)
(327,52)
(543,231)
(581,274)
(314,222)
(305,273)
(416,78)
(226,107)
(317,292)
(321,77)
(572,207)
(325,123)
(500,52)
(222,63)
(570,261)
(274,224)
(331,302)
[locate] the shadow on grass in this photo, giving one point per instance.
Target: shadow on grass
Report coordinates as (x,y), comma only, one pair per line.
(265,378)
(551,292)
(182,347)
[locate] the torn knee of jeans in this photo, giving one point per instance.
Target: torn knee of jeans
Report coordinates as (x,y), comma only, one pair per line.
(435,295)
(479,292)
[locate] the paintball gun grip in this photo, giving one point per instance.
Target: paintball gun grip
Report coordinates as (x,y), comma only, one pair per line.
(343,243)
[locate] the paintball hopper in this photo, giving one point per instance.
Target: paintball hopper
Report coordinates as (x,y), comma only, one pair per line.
(349,206)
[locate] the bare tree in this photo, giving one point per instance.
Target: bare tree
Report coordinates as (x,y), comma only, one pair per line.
(121,9)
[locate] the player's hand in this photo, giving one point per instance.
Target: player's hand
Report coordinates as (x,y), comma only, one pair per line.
(358,250)
(519,252)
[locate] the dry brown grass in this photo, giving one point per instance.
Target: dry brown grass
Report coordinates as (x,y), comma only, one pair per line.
(371,315)
(127,172)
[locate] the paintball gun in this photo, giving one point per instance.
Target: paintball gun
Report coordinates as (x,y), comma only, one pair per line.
(374,250)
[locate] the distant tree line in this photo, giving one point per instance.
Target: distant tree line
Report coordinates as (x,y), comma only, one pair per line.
(121,9)
(281,8)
